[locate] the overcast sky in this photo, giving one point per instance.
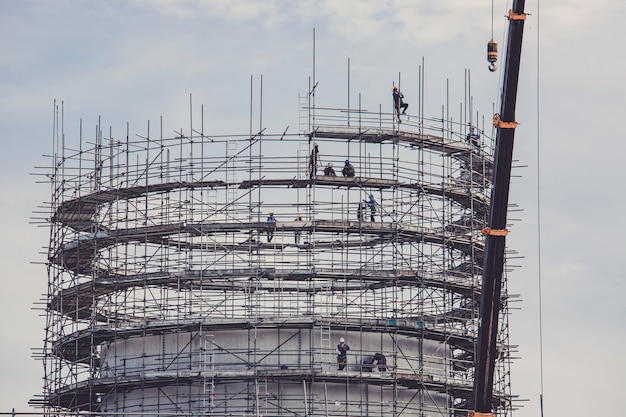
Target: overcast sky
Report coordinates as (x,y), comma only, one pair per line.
(134,61)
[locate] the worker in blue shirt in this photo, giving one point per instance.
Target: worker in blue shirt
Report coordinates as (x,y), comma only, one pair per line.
(272,227)
(372,205)
(473,137)
(342,354)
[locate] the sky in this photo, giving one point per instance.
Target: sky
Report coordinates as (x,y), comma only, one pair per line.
(134,61)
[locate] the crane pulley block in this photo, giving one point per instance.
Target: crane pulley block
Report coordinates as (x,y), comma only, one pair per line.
(492,54)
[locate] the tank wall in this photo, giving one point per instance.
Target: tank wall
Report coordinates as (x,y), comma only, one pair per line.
(273,398)
(235,350)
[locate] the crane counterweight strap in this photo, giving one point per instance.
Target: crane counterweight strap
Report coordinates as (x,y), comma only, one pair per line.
(516,16)
(494,232)
(500,124)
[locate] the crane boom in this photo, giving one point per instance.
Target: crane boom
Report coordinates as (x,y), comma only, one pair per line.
(496,230)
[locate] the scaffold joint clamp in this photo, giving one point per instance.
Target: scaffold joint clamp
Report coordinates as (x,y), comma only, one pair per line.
(499,124)
(494,232)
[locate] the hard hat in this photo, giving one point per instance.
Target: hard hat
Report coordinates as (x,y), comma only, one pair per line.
(315,144)
(271,212)
(347,161)
(330,164)
(342,340)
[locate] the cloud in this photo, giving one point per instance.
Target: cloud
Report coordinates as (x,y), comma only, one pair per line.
(266,13)
(406,23)
(165,57)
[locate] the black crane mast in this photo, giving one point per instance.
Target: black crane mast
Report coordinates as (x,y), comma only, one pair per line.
(495,231)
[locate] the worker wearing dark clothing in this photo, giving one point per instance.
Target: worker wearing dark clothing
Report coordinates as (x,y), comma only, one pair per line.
(297,233)
(372,205)
(381,361)
(360,210)
(270,230)
(398,103)
(348,169)
(473,137)
(378,358)
(329,170)
(342,354)
(313,160)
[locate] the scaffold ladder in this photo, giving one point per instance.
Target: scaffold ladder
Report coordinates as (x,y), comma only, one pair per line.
(212,200)
(304,127)
(231,174)
(303,112)
(325,346)
(303,160)
(212,203)
(208,369)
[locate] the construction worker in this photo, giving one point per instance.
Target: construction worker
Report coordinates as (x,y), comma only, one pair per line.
(372,205)
(473,137)
(398,102)
(329,170)
(368,362)
(313,160)
(272,227)
(297,233)
(342,354)
(360,210)
(348,169)
(381,361)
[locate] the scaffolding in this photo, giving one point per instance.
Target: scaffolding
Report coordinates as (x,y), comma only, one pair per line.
(170,292)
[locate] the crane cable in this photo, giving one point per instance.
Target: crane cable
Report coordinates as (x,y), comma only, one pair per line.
(539,225)
(492,19)
(492,46)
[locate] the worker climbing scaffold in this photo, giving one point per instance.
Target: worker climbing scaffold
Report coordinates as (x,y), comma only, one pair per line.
(398,103)
(313,161)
